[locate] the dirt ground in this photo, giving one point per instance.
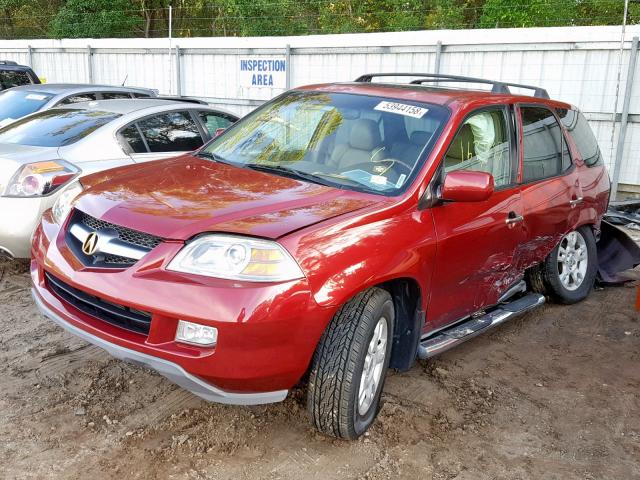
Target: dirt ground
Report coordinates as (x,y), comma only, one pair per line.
(551,395)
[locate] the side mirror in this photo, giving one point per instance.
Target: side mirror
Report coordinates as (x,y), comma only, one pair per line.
(466,186)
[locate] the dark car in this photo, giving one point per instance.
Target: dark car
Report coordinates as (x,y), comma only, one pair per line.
(14,75)
(336,231)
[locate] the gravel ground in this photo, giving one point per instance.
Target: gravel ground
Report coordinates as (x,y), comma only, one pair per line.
(550,395)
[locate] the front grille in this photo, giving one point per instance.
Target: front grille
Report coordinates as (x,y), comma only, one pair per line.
(125,234)
(118,315)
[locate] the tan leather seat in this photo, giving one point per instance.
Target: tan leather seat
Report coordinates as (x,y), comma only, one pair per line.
(461,149)
(364,145)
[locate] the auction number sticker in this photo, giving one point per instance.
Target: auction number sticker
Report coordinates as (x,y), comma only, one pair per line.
(402,109)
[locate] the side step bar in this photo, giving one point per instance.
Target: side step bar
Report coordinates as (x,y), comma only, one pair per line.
(474,326)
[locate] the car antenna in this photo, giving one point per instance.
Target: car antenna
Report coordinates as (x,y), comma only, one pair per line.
(125,79)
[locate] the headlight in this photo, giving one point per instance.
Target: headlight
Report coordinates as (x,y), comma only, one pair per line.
(236,258)
(65,202)
(40,178)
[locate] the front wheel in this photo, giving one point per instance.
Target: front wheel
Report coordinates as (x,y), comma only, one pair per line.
(569,271)
(350,365)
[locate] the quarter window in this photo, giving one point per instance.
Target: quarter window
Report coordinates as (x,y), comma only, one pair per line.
(171,132)
(544,147)
(213,122)
(132,137)
(578,127)
(482,144)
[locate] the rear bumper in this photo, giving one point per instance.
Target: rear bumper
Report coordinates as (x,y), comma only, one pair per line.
(168,369)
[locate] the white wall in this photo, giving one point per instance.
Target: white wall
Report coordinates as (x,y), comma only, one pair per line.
(575,64)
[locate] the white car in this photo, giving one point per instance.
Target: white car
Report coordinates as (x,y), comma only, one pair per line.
(43,154)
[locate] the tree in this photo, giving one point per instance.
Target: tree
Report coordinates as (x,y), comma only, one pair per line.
(96,18)
(528,13)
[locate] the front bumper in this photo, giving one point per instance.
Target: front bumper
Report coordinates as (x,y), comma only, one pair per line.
(19,217)
(267,333)
(170,370)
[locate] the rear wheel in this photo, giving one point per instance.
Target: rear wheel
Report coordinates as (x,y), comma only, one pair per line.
(350,365)
(569,271)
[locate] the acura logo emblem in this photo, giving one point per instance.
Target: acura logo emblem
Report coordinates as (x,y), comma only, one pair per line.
(90,244)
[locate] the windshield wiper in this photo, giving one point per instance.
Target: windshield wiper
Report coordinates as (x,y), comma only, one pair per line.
(216,158)
(290,172)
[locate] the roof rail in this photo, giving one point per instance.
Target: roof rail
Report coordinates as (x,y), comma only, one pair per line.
(497,86)
(8,62)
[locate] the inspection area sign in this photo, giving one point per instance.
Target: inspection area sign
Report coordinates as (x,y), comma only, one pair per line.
(261,71)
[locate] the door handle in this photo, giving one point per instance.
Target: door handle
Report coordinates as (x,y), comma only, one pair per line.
(513,217)
(576,201)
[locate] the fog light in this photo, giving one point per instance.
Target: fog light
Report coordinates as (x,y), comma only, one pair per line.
(196,334)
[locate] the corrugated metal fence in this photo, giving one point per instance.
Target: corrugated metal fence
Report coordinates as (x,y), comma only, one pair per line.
(580,65)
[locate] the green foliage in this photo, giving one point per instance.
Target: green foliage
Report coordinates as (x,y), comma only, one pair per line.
(95,18)
(532,13)
(191,18)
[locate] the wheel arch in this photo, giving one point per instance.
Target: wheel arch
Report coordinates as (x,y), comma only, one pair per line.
(409,320)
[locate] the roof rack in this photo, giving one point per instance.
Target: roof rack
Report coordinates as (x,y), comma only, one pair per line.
(8,62)
(497,86)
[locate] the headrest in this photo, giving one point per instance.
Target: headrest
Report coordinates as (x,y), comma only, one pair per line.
(365,135)
(462,147)
(419,138)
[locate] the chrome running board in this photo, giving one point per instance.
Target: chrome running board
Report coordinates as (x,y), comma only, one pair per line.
(474,326)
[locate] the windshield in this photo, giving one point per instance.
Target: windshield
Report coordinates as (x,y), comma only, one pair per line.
(344,140)
(18,103)
(55,128)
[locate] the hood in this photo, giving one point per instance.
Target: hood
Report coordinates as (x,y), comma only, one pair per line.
(13,156)
(182,197)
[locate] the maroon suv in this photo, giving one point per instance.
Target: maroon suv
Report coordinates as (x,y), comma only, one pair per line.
(337,230)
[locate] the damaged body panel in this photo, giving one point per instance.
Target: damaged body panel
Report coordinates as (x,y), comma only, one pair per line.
(617,252)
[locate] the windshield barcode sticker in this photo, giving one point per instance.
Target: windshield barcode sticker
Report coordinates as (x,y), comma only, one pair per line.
(402,109)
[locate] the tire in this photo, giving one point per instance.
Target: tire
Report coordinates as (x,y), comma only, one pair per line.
(339,363)
(553,271)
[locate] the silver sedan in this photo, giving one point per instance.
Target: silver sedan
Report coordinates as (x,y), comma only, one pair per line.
(43,154)
(19,101)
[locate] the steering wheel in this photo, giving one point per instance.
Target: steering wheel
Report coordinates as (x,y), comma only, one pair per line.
(392,162)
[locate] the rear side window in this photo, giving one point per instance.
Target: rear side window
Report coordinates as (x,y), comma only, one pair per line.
(171,132)
(13,78)
(141,95)
(55,128)
(115,95)
(85,97)
(545,152)
(578,127)
(214,121)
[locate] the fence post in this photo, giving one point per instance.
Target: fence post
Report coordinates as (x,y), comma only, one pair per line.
(438,59)
(617,167)
(178,73)
(90,63)
(288,66)
(30,56)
